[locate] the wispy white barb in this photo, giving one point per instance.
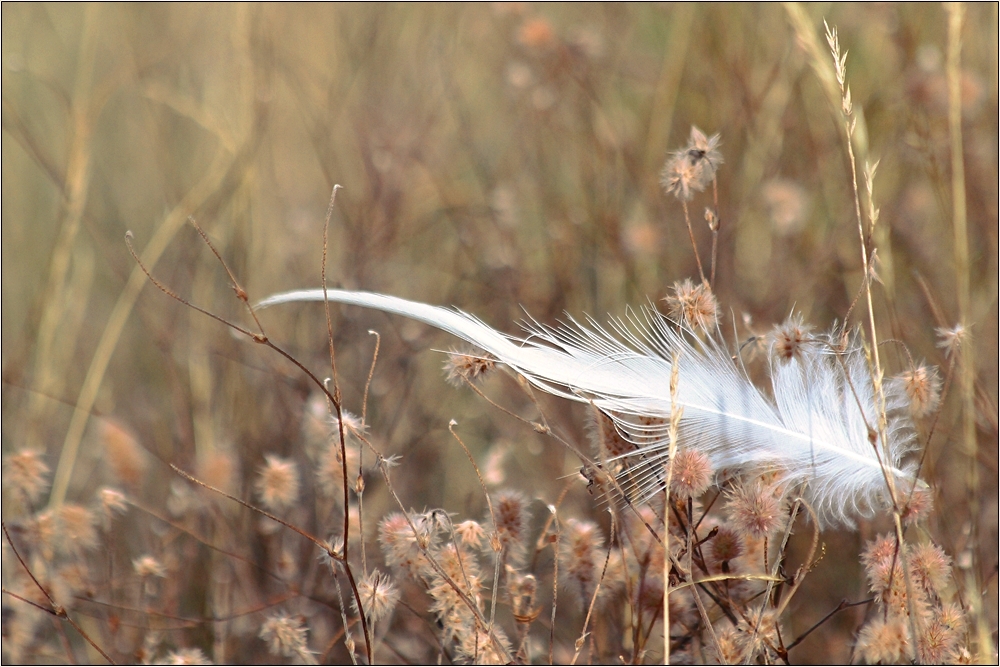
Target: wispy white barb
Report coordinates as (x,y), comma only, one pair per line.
(814,432)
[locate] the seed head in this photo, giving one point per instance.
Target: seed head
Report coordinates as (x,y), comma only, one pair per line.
(399,542)
(692,168)
(951,340)
(792,340)
(147,566)
(693,306)
(462,366)
(112,502)
(187,656)
(692,474)
(605,435)
(378,596)
(78,532)
(918,507)
(470,533)
(278,483)
(883,640)
(127,457)
(754,508)
(922,387)
(930,567)
(25,472)
(511,511)
(725,547)
(580,557)
(285,636)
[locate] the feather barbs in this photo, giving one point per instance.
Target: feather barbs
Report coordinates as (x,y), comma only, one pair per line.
(812,430)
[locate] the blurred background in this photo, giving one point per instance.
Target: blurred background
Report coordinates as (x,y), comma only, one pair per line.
(503,159)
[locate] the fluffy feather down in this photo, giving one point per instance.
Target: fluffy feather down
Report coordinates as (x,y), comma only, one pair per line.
(814,433)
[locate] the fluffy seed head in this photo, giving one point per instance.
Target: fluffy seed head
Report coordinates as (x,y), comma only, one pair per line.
(580,557)
(693,306)
(609,442)
(24,472)
(692,168)
(883,640)
(758,631)
(112,502)
(187,656)
(922,387)
(918,507)
(930,567)
(122,450)
(754,508)
(726,546)
(378,596)
(399,543)
(692,474)
(792,340)
(284,636)
(79,532)
(470,533)
(147,566)
(511,511)
(278,483)
(951,340)
(471,366)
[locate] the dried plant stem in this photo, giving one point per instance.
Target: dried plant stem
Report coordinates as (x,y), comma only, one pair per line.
(495,538)
(54,608)
(982,637)
(208,185)
(75,189)
(694,244)
(676,412)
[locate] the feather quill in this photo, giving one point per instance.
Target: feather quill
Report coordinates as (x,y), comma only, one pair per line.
(813,430)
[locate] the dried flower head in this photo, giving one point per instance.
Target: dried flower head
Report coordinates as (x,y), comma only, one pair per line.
(468,366)
(692,474)
(511,510)
(692,168)
(918,506)
(122,450)
(580,557)
(951,340)
(758,631)
(608,441)
(725,547)
(930,567)
(112,502)
(399,542)
(480,648)
(693,306)
(286,636)
(755,508)
(378,596)
(277,483)
(147,566)
(187,656)
(883,640)
(922,387)
(78,531)
(470,533)
(792,340)
(24,472)
(521,589)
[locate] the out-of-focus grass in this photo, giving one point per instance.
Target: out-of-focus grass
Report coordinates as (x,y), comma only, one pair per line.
(492,158)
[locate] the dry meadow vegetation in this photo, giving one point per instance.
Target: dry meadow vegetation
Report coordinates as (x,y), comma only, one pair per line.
(174,492)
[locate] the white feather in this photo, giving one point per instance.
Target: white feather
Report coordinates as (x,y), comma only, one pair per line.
(815,431)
